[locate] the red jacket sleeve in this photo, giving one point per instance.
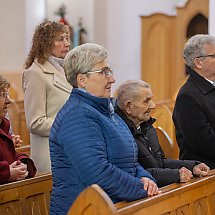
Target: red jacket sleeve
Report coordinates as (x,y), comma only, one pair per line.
(4,172)
(30,164)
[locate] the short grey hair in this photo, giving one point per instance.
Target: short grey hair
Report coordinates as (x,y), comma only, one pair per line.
(129,91)
(81,59)
(195,47)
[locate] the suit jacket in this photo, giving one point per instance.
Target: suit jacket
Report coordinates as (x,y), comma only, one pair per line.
(194,119)
(8,154)
(45,91)
(151,155)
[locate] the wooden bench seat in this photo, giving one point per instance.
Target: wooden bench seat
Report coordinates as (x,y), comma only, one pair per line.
(27,197)
(196,197)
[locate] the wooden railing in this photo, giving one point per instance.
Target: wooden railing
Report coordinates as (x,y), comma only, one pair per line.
(17,118)
(27,197)
(196,197)
(166,143)
(163,115)
(26,149)
(32,197)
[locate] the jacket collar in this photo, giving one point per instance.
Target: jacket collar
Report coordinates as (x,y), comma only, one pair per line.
(144,126)
(199,81)
(47,67)
(147,125)
(59,79)
(103,105)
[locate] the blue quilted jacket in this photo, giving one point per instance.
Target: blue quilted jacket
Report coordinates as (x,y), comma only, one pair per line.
(90,144)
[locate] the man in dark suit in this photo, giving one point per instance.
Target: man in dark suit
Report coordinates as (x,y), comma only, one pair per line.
(194,112)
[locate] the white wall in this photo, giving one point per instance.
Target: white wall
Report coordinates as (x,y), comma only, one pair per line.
(12,16)
(212,17)
(35,12)
(123,32)
(17,20)
(75,9)
(115,24)
(112,23)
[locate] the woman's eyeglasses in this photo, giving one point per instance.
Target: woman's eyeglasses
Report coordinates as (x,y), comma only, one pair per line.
(209,55)
(107,71)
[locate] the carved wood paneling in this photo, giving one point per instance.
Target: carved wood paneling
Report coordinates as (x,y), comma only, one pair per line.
(163,39)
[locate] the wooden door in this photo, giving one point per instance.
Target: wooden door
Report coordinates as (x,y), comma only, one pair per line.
(163,39)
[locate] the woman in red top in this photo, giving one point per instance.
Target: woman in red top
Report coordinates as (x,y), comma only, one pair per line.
(13,166)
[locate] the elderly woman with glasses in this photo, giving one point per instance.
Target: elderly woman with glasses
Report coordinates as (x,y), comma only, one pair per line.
(13,166)
(89,143)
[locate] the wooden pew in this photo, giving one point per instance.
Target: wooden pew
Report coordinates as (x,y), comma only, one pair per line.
(163,116)
(168,103)
(17,118)
(166,143)
(196,197)
(25,149)
(27,197)
(15,80)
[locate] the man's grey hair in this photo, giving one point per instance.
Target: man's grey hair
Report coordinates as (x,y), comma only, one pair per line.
(82,59)
(195,48)
(129,91)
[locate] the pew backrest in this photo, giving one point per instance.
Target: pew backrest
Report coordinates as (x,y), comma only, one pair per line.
(25,149)
(165,142)
(163,115)
(27,197)
(17,119)
(196,197)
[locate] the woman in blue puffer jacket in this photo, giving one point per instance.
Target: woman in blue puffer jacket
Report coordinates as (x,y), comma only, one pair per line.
(89,143)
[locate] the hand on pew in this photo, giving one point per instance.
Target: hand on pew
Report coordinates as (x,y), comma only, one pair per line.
(17,141)
(195,197)
(185,174)
(201,170)
(150,186)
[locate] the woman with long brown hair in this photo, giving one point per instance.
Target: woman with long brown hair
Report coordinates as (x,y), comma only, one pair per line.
(45,86)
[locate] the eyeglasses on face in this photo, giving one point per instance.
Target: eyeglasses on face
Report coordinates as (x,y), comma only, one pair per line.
(209,55)
(107,71)
(4,94)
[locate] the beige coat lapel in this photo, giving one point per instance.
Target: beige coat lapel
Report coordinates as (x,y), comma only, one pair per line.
(59,79)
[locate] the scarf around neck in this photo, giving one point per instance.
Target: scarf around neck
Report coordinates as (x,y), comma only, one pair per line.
(57,63)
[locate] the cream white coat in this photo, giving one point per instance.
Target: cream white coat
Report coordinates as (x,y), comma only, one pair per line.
(45,92)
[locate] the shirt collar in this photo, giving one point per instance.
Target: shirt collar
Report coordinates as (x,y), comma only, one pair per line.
(212,82)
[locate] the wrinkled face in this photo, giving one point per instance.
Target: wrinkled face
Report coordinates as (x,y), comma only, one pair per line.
(206,63)
(4,102)
(61,45)
(99,80)
(141,107)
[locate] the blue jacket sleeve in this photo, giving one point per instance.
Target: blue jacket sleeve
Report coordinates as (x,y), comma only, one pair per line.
(141,172)
(88,156)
